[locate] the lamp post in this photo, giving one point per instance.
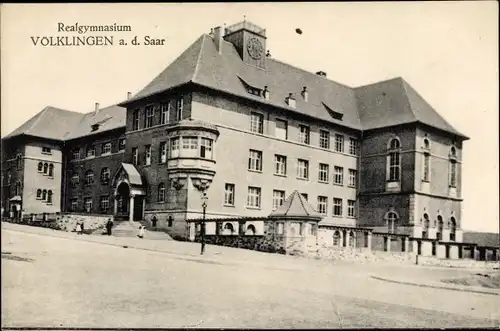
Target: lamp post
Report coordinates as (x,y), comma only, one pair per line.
(204,199)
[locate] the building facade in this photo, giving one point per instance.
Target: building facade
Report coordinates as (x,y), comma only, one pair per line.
(227,121)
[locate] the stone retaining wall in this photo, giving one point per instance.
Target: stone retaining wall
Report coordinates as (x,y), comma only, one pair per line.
(257,242)
(460,263)
(64,222)
(363,255)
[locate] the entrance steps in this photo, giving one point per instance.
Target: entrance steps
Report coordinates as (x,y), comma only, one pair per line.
(131,229)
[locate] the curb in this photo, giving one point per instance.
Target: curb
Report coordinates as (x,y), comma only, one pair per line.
(458,289)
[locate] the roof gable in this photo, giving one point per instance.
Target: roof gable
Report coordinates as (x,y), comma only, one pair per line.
(296,206)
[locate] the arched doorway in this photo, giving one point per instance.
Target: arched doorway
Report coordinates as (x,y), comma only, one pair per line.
(122,200)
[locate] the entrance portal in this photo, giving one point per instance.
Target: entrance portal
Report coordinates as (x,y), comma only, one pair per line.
(122,200)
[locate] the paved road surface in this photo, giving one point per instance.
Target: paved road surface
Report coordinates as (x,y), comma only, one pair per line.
(73,283)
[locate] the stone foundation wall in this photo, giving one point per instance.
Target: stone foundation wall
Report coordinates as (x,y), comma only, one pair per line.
(257,242)
(65,222)
(460,263)
(363,255)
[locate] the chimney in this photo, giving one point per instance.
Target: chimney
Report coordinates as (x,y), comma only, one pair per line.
(268,54)
(266,93)
(290,100)
(129,95)
(321,73)
(305,94)
(96,110)
(218,38)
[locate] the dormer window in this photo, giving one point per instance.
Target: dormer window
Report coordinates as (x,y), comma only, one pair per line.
(290,100)
(254,91)
(94,127)
(334,114)
(305,94)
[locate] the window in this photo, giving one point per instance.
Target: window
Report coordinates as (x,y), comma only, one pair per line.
(453,229)
(121,144)
(51,170)
(393,160)
(453,173)
(439,233)
(303,169)
(174,147)
(426,167)
(45,168)
(135,156)
(323,172)
(206,148)
(337,207)
(89,178)
(353,178)
(304,134)
(336,238)
(180,109)
(253,199)
(105,174)
(163,152)
(278,198)
(339,143)
(9,177)
(161,192)
(49,196)
(352,238)
(250,230)
(90,151)
(453,152)
(228,228)
(338,177)
(74,204)
(189,142)
(150,115)
(322,205)
(165,113)
(76,154)
(18,188)
(40,166)
(257,122)
(427,145)
(19,160)
(280,165)
(44,195)
(75,180)
(281,228)
(46,150)
(324,139)
(425,230)
(353,146)
(392,220)
(87,203)
(104,203)
(255,160)
(229,194)
(106,148)
(305,196)
(135,120)
(351,210)
(281,129)
(39,194)
(147,155)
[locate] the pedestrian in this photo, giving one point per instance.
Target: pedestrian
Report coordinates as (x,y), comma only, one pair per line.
(141,231)
(109,225)
(82,227)
(78,228)
(154,220)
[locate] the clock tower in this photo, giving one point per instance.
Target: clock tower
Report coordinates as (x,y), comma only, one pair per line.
(250,42)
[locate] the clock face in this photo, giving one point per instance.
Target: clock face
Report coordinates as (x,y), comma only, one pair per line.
(255,48)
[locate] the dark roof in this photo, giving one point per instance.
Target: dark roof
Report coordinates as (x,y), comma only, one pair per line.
(395,102)
(50,123)
(296,206)
(108,118)
(482,238)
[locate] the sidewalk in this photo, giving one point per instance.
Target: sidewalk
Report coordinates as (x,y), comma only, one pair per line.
(436,284)
(177,249)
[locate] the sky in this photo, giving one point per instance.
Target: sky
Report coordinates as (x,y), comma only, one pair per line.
(448,51)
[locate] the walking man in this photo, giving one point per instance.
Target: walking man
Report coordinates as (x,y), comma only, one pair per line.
(154,220)
(109,225)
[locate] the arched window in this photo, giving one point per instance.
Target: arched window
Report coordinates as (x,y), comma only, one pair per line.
(51,170)
(40,166)
(44,195)
(393,160)
(439,234)
(453,173)
(228,228)
(427,145)
(453,152)
(392,222)
(49,196)
(453,229)
(89,177)
(161,192)
(45,168)
(105,174)
(425,230)
(351,239)
(250,230)
(38,193)
(336,238)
